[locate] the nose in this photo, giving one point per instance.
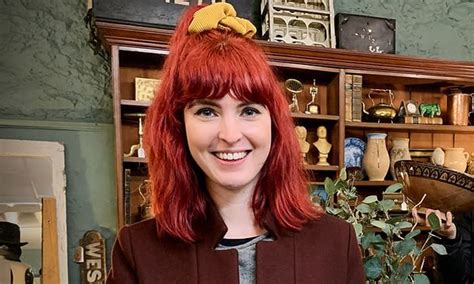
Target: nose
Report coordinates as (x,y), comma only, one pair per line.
(230,130)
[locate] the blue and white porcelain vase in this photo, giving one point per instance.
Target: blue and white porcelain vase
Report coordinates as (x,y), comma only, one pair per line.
(376,160)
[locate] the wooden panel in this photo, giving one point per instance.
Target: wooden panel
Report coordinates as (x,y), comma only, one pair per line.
(421,140)
(49,257)
(464,141)
(443,140)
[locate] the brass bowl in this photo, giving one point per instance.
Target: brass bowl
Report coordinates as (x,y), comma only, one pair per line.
(445,189)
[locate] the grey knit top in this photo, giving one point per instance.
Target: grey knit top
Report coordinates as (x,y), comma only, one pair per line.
(246,252)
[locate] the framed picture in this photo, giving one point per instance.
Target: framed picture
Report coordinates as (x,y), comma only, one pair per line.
(145,88)
(411,108)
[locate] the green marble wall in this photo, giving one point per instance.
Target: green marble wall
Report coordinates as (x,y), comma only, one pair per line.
(429,28)
(48,74)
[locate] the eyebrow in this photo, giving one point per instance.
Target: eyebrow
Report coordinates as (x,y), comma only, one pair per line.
(214,104)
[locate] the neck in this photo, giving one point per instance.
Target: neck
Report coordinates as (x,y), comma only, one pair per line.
(235,207)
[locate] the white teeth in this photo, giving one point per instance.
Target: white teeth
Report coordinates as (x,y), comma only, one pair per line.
(231,156)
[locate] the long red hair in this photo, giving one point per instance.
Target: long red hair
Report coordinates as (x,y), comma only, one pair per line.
(209,65)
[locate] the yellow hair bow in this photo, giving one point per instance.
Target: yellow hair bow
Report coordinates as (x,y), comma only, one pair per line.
(220,16)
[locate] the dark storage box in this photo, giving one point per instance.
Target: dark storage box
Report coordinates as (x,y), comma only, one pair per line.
(162,13)
(365,33)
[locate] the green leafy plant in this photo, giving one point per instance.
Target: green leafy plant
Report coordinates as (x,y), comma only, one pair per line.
(388,246)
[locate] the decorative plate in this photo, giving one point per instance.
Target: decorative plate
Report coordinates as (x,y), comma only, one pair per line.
(445,189)
(354,149)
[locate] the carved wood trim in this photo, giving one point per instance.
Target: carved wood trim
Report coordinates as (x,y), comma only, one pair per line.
(148,37)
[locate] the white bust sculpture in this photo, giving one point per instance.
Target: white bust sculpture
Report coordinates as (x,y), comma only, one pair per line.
(323,146)
(301,133)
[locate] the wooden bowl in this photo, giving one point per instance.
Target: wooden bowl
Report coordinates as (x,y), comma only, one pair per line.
(445,189)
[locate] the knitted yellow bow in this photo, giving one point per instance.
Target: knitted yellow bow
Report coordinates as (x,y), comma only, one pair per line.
(220,16)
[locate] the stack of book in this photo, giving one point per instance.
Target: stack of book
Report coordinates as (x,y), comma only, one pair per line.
(353,97)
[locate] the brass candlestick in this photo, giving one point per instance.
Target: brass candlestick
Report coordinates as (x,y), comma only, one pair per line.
(137,147)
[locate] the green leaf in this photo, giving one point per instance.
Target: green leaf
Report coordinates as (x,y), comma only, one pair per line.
(413,234)
(393,188)
(343,174)
(421,278)
(403,225)
(439,249)
(358,229)
(404,247)
(404,272)
(366,240)
(370,199)
(372,267)
(329,187)
(434,222)
(378,224)
(333,211)
(386,204)
(363,208)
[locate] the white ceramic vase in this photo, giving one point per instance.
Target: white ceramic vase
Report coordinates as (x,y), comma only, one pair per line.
(400,151)
(376,161)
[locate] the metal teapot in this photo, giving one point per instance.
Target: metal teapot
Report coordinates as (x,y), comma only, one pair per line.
(381,111)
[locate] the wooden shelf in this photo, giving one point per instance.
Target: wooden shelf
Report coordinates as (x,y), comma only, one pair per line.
(315,116)
(321,168)
(135,103)
(374,183)
(411,127)
(134,160)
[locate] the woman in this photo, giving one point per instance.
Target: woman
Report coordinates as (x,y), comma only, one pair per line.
(229,193)
(456,266)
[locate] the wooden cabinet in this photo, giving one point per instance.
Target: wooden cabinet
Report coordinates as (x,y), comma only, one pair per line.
(141,51)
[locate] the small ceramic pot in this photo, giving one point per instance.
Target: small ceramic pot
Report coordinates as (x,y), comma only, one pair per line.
(456,159)
(400,151)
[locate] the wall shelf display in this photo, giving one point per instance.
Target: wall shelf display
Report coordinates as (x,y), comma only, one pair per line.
(141,51)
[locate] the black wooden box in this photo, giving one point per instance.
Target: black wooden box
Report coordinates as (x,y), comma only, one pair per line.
(365,33)
(163,13)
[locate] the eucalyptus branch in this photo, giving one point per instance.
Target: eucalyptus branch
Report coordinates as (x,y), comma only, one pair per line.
(415,223)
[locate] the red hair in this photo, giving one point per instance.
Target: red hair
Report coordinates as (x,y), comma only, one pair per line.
(209,65)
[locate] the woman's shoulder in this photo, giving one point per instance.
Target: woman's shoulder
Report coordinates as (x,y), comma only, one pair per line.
(143,229)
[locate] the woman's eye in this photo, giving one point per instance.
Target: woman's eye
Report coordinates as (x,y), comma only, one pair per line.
(250,111)
(205,112)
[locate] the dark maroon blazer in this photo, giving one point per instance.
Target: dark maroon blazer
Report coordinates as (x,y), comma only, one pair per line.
(324,251)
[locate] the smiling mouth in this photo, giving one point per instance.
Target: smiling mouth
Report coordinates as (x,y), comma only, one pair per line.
(227,156)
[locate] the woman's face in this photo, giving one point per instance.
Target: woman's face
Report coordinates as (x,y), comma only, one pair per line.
(229,140)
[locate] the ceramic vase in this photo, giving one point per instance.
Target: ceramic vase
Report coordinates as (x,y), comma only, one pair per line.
(400,151)
(376,160)
(456,159)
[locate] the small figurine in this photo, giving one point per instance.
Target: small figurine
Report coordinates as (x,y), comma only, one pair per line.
(323,146)
(301,133)
(430,110)
(312,107)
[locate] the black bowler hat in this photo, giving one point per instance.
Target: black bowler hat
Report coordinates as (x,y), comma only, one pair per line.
(10,234)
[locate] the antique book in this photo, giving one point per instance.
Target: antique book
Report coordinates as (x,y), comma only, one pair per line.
(348,96)
(356,97)
(126,196)
(422,120)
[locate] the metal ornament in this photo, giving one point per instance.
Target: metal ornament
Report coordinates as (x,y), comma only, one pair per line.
(295,87)
(312,107)
(137,147)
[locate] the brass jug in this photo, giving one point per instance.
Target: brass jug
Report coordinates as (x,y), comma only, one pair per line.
(459,107)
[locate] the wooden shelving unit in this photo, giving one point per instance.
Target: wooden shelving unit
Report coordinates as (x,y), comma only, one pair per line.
(141,51)
(321,168)
(366,183)
(433,128)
